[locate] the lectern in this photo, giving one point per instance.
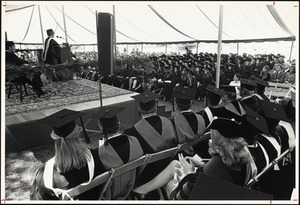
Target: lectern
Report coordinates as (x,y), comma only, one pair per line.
(65,53)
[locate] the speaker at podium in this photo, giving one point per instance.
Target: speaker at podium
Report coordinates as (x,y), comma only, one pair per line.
(65,53)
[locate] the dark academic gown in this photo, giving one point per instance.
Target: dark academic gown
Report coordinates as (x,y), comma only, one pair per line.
(189,126)
(155,133)
(120,150)
(252,101)
(280,181)
(66,181)
(116,152)
(52,52)
(214,168)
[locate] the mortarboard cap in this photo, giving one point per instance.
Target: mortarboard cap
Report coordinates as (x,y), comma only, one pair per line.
(50,32)
(273,110)
(256,120)
(63,121)
(214,95)
(108,118)
(106,112)
(227,123)
(210,188)
(248,84)
(228,88)
(262,83)
(184,95)
(232,125)
(146,101)
(230,91)
(215,90)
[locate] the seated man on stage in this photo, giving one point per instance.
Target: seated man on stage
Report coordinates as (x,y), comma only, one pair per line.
(11,59)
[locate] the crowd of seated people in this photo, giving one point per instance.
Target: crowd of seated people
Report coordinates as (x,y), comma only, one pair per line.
(246,135)
(199,70)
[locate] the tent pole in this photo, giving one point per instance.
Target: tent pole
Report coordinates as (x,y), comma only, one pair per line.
(100,87)
(114,40)
(291,50)
(237,48)
(41,23)
(166,49)
(197,48)
(5,36)
(219,46)
(142,48)
(65,26)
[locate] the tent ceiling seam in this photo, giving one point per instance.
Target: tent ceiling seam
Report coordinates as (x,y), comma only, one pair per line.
(168,23)
(116,29)
(28,24)
(278,19)
(58,23)
(266,19)
(211,21)
(249,22)
(25,7)
(76,22)
(133,25)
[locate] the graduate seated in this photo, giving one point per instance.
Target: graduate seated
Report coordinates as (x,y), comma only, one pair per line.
(155,133)
(115,150)
(74,163)
(231,161)
(189,126)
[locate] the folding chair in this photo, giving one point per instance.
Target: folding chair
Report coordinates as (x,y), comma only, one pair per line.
(115,172)
(154,157)
(165,154)
(186,145)
(256,178)
(101,179)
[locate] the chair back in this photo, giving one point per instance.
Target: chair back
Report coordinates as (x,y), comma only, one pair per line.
(154,157)
(116,173)
(100,179)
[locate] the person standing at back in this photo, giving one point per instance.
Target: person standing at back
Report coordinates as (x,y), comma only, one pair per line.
(52,51)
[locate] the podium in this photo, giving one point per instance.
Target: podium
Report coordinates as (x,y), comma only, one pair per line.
(65,53)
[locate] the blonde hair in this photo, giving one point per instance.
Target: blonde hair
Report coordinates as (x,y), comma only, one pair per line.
(232,151)
(71,153)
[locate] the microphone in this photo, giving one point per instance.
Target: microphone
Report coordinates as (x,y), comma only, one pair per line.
(59,37)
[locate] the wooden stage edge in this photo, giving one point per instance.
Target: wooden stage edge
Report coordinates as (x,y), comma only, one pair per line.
(23,131)
(39,114)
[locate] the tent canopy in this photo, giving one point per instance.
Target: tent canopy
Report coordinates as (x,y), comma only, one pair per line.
(154,22)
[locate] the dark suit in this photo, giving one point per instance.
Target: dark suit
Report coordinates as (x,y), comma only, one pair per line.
(277,76)
(13,60)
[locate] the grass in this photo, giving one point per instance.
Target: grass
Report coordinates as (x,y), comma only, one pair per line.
(20,169)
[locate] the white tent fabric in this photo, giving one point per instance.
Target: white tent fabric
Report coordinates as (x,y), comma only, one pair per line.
(154,22)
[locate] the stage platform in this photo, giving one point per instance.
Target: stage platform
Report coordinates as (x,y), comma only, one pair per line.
(23,130)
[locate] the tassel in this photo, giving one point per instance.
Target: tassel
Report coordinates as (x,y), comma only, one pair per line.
(86,137)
